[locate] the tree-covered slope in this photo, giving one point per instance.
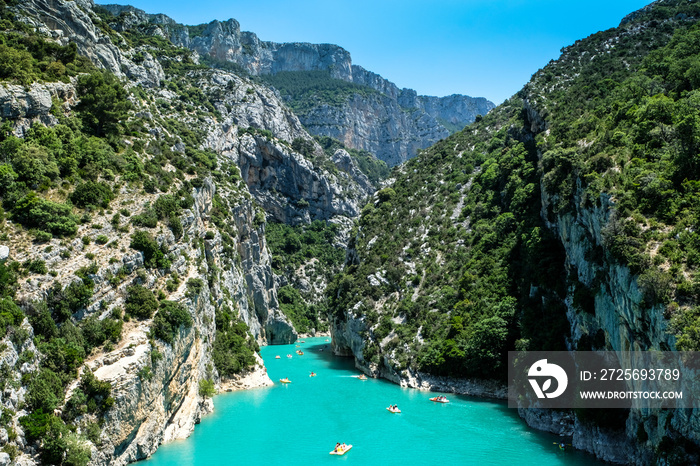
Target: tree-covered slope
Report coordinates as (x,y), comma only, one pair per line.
(567,218)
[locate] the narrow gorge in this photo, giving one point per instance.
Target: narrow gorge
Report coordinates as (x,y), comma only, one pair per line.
(174,197)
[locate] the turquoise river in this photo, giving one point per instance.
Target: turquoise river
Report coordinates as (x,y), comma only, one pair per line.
(300,422)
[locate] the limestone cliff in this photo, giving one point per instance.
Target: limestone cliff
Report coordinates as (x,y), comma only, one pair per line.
(72,22)
(393,125)
(217,256)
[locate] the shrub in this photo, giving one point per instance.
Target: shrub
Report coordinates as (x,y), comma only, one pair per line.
(148,219)
(171,316)
(103,102)
(386,194)
(78,453)
(37,266)
(45,391)
(154,257)
(35,212)
(206,388)
(234,349)
(33,164)
(97,392)
(166,206)
(96,331)
(36,424)
(140,302)
(194,286)
(10,315)
(43,236)
(67,301)
(101,239)
(175,226)
(92,194)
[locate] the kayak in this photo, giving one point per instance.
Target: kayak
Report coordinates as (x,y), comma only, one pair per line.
(397,410)
(285,380)
(277,357)
(342,452)
(435,398)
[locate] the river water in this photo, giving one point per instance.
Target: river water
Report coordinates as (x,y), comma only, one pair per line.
(299,423)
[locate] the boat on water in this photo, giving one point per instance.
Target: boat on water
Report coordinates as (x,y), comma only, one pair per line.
(393,410)
(277,357)
(300,352)
(289,355)
(341,450)
(362,377)
(440,399)
(285,380)
(302,341)
(313,374)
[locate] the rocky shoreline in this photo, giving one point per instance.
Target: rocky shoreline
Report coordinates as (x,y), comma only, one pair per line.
(255,378)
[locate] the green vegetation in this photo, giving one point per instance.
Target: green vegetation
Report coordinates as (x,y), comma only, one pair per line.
(313,247)
(167,322)
(456,250)
(466,289)
(10,315)
(25,57)
(206,388)
(92,194)
(55,178)
(153,254)
(306,90)
(234,348)
(103,103)
(33,211)
(64,302)
(303,316)
(292,246)
(376,170)
(140,302)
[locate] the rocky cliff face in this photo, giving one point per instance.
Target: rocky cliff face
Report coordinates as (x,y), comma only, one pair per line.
(392,126)
(156,384)
(621,316)
(377,124)
(157,399)
(71,22)
(165,404)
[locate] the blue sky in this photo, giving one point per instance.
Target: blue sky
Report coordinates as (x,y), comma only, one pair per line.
(484,48)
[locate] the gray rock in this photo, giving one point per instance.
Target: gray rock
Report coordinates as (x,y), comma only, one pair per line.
(4,252)
(393,124)
(70,22)
(4,459)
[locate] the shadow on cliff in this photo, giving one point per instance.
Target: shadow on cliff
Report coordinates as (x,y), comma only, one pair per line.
(324,352)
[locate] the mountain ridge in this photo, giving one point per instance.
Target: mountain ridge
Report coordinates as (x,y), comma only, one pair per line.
(224,42)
